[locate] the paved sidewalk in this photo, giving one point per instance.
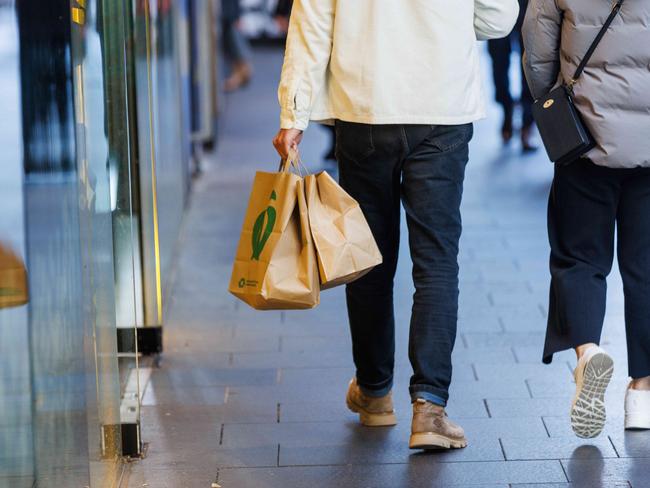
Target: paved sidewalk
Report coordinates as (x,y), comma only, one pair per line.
(248,399)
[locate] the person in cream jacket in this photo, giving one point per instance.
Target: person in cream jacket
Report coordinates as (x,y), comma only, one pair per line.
(401,81)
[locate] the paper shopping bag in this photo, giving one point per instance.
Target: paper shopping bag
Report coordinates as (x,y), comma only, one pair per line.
(13,279)
(275,267)
(345,246)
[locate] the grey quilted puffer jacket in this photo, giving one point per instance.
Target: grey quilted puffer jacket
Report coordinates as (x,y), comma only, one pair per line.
(613,94)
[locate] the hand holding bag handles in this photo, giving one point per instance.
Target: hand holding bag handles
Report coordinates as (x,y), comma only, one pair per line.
(565,136)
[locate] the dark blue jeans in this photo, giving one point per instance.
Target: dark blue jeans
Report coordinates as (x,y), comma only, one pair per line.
(422,166)
(587,204)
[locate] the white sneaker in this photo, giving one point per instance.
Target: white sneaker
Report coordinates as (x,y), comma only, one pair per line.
(637,409)
(592,374)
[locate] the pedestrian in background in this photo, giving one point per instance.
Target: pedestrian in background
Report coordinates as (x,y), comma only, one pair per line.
(235,47)
(402,82)
(501,53)
(591,198)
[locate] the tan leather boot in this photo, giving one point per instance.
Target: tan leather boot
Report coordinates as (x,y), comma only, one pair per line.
(432,429)
(373,412)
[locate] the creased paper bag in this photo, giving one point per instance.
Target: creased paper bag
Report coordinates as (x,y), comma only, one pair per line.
(275,267)
(345,246)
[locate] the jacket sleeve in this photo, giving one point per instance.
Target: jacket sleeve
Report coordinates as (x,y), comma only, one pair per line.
(307,55)
(541,34)
(494,19)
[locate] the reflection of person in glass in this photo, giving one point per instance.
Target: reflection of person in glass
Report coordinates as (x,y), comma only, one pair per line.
(500,51)
(235,46)
(13,279)
(46,87)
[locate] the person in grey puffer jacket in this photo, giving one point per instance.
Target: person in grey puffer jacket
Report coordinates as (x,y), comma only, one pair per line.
(607,190)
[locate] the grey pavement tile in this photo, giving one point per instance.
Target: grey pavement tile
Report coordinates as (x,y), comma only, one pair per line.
(564,387)
(533,354)
(526,298)
(599,471)
(475,300)
(485,474)
(16,481)
(182,395)
(630,443)
(299,359)
(316,344)
(560,426)
(209,457)
(495,355)
(144,474)
(393,449)
(321,327)
(505,372)
(283,393)
(200,341)
(502,339)
(521,449)
(577,484)
(294,434)
(492,388)
(487,323)
(531,428)
(524,321)
(178,418)
(526,407)
(209,377)
(209,417)
(191,359)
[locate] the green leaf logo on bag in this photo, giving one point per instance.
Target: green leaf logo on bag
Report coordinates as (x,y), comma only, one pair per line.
(262,229)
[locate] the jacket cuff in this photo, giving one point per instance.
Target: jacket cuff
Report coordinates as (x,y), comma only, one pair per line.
(289,120)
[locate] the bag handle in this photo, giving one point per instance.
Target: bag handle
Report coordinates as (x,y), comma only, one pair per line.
(294,162)
(583,64)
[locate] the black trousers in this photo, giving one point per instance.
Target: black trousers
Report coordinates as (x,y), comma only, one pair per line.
(500,51)
(587,204)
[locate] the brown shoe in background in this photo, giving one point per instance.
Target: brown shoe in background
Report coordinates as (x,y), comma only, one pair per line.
(432,429)
(373,411)
(241,75)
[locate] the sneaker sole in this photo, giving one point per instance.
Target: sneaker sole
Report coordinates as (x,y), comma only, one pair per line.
(430,440)
(370,419)
(588,413)
(637,422)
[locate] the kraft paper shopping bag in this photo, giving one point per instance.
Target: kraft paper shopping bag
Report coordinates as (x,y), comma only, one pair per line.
(344,243)
(275,267)
(13,279)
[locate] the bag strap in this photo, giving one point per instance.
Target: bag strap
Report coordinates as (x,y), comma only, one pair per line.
(293,162)
(583,64)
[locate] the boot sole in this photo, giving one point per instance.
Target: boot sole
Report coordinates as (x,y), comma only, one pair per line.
(430,440)
(370,419)
(588,413)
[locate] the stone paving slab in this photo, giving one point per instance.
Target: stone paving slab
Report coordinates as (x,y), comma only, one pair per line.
(483,474)
(596,472)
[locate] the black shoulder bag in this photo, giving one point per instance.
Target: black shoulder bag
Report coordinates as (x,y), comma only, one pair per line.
(565,136)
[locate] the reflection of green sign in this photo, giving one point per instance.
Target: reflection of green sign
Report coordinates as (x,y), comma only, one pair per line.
(262,229)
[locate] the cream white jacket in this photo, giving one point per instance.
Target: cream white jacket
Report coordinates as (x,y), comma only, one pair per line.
(388,61)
